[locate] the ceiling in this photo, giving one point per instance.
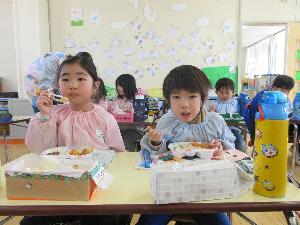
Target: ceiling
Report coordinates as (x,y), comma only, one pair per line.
(253,34)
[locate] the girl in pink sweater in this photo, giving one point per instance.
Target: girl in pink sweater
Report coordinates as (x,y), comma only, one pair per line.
(78,122)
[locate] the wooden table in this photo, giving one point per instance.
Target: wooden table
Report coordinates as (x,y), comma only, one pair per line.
(129,193)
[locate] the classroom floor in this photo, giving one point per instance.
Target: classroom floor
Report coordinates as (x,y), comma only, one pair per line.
(260,218)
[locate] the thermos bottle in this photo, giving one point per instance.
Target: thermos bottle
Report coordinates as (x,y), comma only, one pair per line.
(271,145)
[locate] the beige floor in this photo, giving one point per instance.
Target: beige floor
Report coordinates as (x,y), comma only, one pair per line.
(263,218)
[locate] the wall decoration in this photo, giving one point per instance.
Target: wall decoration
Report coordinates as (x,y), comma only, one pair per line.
(163,65)
(196,36)
(231,46)
(138,39)
(172,30)
(193,49)
(94,46)
(150,34)
(182,41)
(69,42)
(150,16)
(228,26)
(137,26)
(128,51)
(135,4)
(127,66)
(116,42)
(109,54)
(76,17)
(154,54)
(232,69)
(118,25)
(201,22)
(209,60)
(159,41)
(95,18)
(142,56)
(138,72)
(223,56)
(110,72)
(209,43)
(152,71)
(171,52)
(179,7)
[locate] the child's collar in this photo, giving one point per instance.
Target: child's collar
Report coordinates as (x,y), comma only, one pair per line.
(200,117)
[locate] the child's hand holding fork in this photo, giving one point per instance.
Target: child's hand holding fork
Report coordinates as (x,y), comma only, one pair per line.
(45,102)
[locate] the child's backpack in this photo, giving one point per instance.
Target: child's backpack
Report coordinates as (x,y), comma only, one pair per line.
(249,116)
(242,100)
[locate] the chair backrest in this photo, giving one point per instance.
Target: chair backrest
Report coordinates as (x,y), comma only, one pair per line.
(20,107)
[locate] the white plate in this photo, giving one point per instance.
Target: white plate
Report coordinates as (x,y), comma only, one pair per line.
(182,149)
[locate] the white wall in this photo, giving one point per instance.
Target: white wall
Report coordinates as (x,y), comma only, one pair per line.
(8,70)
(31,34)
(270,11)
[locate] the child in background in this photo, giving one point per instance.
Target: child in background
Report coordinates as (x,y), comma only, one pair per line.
(126,88)
(283,83)
(186,88)
(79,122)
(41,74)
(227,104)
(101,95)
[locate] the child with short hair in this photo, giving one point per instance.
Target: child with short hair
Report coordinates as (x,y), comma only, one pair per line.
(227,104)
(186,88)
(78,122)
(283,83)
(126,89)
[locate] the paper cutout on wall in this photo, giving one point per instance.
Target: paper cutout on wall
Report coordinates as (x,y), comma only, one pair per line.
(231,46)
(138,39)
(172,30)
(138,72)
(193,49)
(142,56)
(209,60)
(127,66)
(118,25)
(137,26)
(150,34)
(152,71)
(154,54)
(76,17)
(232,69)
(209,43)
(95,18)
(116,42)
(110,72)
(94,46)
(163,65)
(128,51)
(202,21)
(109,54)
(179,7)
(223,57)
(196,36)
(179,62)
(150,16)
(69,42)
(81,49)
(171,52)
(159,41)
(182,41)
(228,26)
(135,4)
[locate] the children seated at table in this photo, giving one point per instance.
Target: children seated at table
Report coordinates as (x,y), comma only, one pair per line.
(227,104)
(78,122)
(283,83)
(186,88)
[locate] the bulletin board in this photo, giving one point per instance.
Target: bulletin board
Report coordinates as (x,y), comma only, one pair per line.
(148,38)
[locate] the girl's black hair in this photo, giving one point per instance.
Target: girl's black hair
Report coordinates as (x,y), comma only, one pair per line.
(127,82)
(186,77)
(84,60)
(226,83)
(101,91)
(284,82)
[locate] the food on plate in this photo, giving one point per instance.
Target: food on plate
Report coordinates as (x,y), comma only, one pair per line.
(53,153)
(200,145)
(80,151)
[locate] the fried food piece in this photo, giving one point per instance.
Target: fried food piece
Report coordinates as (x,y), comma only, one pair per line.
(82,151)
